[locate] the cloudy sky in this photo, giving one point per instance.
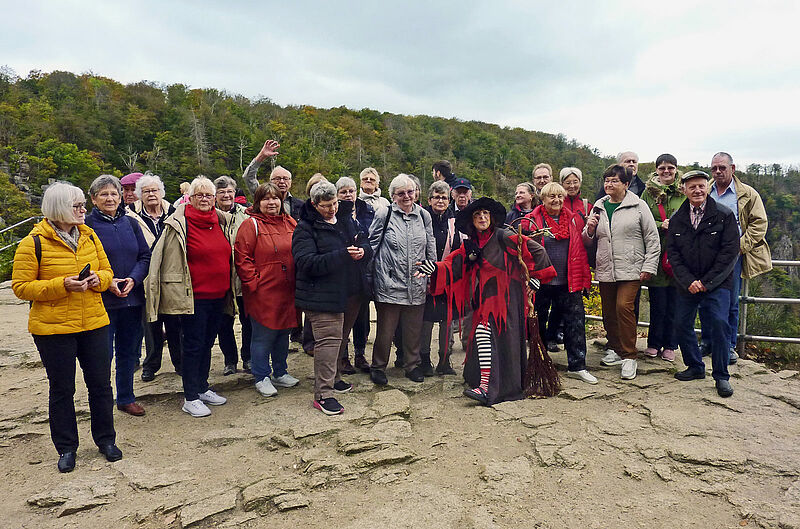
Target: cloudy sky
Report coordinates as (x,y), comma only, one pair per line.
(685,77)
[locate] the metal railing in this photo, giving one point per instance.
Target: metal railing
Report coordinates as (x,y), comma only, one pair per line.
(18,224)
(744,300)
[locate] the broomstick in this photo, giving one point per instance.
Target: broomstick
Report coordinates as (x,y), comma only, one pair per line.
(541,377)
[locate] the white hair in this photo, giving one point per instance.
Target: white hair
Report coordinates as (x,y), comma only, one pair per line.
(149,180)
(201,183)
(58,202)
(401,180)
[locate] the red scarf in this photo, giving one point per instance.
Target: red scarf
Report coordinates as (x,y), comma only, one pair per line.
(559,229)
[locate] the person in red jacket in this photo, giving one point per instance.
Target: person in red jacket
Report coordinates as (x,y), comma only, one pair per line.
(564,293)
(263,256)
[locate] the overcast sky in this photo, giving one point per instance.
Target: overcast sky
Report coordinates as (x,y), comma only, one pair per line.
(685,77)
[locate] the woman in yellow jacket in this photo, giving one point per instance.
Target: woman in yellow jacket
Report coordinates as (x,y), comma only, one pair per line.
(67,318)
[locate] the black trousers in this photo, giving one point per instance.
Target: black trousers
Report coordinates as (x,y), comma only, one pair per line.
(154,342)
(227,339)
(569,309)
(58,353)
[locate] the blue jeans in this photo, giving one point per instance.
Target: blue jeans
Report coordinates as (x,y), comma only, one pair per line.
(713,308)
(733,308)
(662,312)
(125,334)
(199,332)
(266,343)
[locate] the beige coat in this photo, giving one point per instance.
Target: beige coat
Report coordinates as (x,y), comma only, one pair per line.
(756,257)
(168,286)
(630,245)
(149,236)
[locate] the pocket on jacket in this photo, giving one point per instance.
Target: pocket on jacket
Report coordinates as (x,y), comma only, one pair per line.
(172,278)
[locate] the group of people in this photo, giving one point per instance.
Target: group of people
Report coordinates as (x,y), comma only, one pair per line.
(138,268)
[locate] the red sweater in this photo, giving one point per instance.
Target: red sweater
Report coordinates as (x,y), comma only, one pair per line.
(208,253)
(579,276)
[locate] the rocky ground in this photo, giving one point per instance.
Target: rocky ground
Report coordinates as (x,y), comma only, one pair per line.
(653,452)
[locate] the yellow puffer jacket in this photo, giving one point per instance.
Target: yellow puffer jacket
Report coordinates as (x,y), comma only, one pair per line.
(54,309)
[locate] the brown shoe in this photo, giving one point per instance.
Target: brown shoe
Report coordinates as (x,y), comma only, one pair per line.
(134,408)
(361,363)
(345,367)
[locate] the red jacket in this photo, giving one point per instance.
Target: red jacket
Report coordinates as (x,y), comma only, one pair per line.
(263,257)
(578,274)
(576,205)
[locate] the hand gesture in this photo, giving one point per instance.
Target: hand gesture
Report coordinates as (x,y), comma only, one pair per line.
(645,276)
(269,149)
(73,284)
(697,286)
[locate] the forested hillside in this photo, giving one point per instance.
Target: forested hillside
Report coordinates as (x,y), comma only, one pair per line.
(74,127)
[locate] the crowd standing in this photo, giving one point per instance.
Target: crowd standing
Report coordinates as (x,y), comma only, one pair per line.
(140,269)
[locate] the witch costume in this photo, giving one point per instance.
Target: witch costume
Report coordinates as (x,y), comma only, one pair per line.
(484,274)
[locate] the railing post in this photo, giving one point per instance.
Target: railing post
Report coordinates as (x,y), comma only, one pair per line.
(743,315)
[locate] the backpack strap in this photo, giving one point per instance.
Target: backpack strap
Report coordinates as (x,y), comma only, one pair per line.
(255,224)
(37,248)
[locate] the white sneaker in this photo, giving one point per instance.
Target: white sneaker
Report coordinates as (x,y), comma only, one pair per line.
(629,366)
(196,408)
(209,397)
(611,358)
(265,387)
(583,375)
(285,381)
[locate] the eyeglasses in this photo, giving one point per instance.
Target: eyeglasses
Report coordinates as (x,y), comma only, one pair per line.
(78,207)
(226,191)
(201,196)
(439,198)
(614,181)
(402,194)
(150,191)
(720,168)
(281,178)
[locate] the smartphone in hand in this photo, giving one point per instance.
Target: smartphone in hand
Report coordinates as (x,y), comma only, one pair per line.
(85,272)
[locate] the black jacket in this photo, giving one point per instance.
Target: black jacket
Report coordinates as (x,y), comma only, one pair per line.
(325,274)
(708,253)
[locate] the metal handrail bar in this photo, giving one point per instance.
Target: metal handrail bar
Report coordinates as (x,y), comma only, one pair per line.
(20,223)
(754,300)
(776,339)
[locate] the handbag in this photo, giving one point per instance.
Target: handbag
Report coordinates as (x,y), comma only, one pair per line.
(665,264)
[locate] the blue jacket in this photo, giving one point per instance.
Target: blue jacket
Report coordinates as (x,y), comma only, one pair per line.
(128,253)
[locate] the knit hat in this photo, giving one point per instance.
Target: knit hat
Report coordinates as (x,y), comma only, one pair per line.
(565,172)
(130,179)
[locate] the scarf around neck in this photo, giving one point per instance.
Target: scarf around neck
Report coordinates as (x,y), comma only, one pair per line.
(559,229)
(201,219)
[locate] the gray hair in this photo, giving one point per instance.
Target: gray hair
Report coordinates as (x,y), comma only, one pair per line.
(58,200)
(345,181)
(201,183)
(321,191)
(726,155)
(370,170)
(401,180)
(224,182)
(416,181)
(621,156)
(439,186)
(103,181)
(565,172)
(150,179)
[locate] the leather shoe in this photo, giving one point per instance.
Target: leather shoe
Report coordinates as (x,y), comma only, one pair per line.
(416,375)
(134,408)
(444,368)
(690,374)
(361,363)
(345,367)
(427,369)
(111,452)
(378,377)
(66,462)
(724,388)
(148,376)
